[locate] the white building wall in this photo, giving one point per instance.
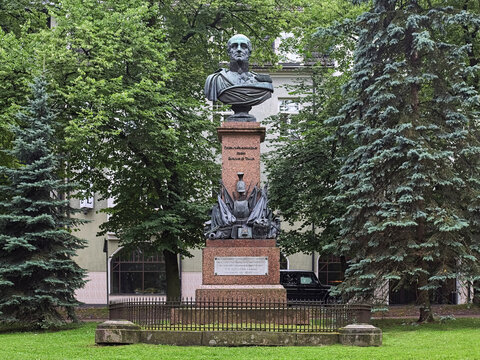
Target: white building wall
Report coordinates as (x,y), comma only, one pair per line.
(191,280)
(95,291)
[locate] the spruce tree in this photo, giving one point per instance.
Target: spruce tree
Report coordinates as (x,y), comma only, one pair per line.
(37,272)
(412,185)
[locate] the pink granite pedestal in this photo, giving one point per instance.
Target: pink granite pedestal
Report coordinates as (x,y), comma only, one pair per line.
(259,288)
(262,294)
(241,154)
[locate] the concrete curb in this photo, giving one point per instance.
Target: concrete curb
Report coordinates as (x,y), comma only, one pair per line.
(124,332)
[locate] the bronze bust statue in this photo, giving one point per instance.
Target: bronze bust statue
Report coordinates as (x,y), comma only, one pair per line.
(237,86)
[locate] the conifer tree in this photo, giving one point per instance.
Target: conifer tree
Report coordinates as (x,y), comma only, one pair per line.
(412,184)
(37,272)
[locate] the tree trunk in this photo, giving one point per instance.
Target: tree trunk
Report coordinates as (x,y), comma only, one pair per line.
(423,300)
(72,315)
(173,276)
(476,292)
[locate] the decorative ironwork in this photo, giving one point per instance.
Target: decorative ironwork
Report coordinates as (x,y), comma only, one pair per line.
(229,315)
(244,216)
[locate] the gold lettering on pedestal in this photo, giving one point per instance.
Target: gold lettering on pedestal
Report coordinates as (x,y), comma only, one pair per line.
(241,158)
(240,147)
(240,155)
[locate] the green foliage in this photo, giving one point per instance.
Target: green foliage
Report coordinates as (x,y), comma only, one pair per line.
(37,270)
(303,167)
(127,83)
(20,23)
(18,14)
(129,136)
(411,185)
(302,170)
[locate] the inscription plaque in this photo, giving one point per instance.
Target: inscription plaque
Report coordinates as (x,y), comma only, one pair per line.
(241,265)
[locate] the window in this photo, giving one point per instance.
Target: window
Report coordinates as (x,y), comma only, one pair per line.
(283,262)
(86,203)
(306,280)
(134,273)
(330,270)
(288,106)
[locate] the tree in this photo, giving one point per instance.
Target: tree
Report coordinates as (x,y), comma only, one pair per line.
(303,167)
(37,271)
(469,36)
(20,22)
(412,182)
(306,157)
(130,78)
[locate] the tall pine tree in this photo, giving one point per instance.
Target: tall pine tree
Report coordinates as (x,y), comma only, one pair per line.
(37,272)
(412,185)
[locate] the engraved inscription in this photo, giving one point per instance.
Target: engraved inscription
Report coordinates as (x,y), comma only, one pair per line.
(240,153)
(240,147)
(241,265)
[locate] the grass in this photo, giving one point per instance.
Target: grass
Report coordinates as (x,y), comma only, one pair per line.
(453,339)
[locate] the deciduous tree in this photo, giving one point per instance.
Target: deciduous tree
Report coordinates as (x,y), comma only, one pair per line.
(130,76)
(305,161)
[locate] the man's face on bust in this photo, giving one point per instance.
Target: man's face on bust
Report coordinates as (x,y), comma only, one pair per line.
(238,50)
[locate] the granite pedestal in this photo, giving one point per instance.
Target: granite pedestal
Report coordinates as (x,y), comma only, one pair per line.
(241,269)
(260,287)
(240,152)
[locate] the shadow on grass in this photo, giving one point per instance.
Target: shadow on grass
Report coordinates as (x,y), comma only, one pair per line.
(16,327)
(441,324)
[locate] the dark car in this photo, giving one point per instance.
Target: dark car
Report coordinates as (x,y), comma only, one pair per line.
(304,285)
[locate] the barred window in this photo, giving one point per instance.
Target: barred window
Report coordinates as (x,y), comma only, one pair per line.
(330,270)
(134,273)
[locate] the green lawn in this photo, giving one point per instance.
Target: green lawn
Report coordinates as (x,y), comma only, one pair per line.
(455,339)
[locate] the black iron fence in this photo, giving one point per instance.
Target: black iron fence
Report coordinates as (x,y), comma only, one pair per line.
(228,315)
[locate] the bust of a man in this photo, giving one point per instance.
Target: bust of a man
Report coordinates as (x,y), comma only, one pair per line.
(237,86)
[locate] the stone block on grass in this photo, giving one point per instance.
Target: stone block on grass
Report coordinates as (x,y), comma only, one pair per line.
(117,332)
(177,338)
(360,335)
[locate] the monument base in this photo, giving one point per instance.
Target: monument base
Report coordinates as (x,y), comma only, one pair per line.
(248,293)
(226,263)
(241,270)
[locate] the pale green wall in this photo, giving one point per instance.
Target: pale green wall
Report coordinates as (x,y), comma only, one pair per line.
(91,258)
(300,261)
(193,264)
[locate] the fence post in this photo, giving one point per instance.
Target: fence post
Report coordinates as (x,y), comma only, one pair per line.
(364,314)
